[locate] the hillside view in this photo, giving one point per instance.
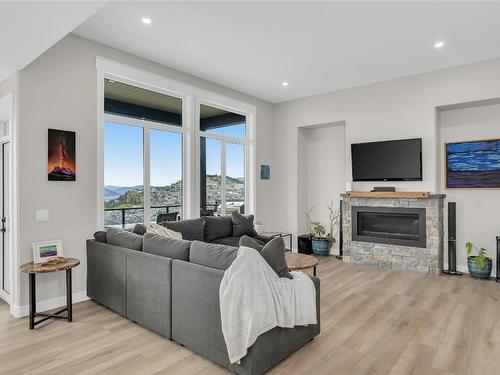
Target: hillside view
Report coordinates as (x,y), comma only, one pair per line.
(116,197)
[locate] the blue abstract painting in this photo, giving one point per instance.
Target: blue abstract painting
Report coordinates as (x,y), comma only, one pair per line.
(473,164)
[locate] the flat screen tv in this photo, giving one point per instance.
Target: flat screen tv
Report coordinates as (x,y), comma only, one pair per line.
(399,160)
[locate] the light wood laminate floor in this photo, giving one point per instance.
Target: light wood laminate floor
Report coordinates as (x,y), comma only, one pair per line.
(373,321)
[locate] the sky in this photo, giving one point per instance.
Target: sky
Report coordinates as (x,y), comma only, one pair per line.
(123,155)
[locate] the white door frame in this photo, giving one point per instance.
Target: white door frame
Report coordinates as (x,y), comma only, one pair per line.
(7,113)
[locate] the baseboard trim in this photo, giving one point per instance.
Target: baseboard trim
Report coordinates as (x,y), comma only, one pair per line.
(49,304)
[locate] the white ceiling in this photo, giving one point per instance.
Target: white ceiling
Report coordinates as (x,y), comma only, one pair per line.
(29,28)
(316,47)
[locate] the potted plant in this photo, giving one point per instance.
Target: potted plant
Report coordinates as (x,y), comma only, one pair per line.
(479,265)
(319,239)
(322,241)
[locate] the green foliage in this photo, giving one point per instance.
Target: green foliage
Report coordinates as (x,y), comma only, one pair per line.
(480,258)
(319,231)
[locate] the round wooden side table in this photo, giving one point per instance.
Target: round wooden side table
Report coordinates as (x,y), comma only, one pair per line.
(296,261)
(62,264)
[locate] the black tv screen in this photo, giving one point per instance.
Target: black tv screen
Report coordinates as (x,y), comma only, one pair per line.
(399,160)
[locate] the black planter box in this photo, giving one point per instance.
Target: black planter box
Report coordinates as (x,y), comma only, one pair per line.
(304,244)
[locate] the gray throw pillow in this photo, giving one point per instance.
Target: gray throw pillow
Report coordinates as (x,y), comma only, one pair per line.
(139,229)
(165,246)
(217,227)
(273,252)
(124,238)
(100,236)
(212,255)
(190,229)
(242,225)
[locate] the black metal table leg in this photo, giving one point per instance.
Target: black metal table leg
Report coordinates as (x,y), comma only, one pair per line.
(314,271)
(69,302)
(32,298)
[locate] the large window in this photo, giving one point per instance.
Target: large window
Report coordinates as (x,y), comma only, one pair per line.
(169,150)
(222,161)
(142,155)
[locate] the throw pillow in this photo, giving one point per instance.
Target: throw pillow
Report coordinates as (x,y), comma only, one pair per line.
(242,225)
(139,229)
(100,236)
(124,238)
(217,227)
(273,252)
(166,246)
(191,229)
(163,231)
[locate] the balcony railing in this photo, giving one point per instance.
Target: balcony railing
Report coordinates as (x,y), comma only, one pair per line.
(122,217)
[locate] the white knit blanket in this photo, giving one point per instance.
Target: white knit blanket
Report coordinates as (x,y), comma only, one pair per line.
(253,300)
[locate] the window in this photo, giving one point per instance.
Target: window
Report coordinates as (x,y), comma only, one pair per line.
(123,175)
(170,149)
(222,161)
(143,143)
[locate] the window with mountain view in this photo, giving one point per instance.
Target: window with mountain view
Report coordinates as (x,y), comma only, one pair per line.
(143,139)
(222,161)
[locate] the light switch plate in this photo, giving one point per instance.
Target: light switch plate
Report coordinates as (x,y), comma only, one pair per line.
(42,215)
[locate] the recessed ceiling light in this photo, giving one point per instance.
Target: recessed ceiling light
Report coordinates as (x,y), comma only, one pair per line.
(284,83)
(438,45)
(146,20)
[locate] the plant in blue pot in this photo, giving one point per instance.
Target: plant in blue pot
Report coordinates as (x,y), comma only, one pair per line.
(479,265)
(319,240)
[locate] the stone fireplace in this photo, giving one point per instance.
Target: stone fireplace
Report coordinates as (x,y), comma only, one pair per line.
(390,232)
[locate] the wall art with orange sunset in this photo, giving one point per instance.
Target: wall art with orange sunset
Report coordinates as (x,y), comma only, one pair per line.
(62,155)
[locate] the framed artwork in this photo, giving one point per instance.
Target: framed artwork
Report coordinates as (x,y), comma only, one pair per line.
(265,172)
(47,250)
(62,155)
(473,164)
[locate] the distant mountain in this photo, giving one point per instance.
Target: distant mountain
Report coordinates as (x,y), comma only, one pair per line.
(112,192)
(133,196)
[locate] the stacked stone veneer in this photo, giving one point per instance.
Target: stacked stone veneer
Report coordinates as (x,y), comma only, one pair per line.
(428,260)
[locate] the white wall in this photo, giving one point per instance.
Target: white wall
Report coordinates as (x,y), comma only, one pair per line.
(322,174)
(58,90)
(477,209)
(400,108)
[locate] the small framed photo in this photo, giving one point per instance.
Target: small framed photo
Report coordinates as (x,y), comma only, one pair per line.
(47,250)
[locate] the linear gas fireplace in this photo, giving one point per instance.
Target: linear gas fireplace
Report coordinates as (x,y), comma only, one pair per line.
(389,225)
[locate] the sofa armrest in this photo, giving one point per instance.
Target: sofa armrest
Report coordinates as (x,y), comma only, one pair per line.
(196,320)
(149,279)
(107,275)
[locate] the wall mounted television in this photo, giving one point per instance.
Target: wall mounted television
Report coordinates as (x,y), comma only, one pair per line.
(398,160)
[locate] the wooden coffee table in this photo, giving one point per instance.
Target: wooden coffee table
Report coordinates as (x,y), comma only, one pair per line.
(296,261)
(63,264)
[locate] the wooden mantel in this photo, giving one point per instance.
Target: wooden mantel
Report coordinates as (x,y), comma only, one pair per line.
(388,194)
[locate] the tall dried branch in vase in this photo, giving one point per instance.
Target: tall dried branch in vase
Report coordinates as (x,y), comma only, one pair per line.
(334,219)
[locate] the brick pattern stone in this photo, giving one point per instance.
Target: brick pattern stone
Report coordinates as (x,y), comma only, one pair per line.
(427,260)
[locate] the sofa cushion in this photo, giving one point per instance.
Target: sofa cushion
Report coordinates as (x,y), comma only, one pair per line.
(212,255)
(166,247)
(217,227)
(190,229)
(100,236)
(242,225)
(124,238)
(273,252)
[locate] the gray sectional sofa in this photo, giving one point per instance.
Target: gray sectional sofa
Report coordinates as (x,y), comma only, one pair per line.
(172,287)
